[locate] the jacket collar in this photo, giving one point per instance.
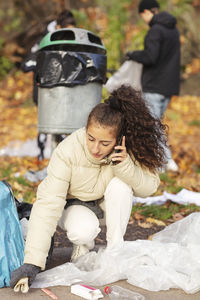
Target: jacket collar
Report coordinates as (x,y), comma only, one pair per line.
(163,18)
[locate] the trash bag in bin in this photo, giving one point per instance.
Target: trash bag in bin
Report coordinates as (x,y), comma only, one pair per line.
(60,68)
(71,68)
(65,62)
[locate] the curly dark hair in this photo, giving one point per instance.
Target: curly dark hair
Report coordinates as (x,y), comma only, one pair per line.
(126,111)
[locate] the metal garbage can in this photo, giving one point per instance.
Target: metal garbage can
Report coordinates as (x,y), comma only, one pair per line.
(71,68)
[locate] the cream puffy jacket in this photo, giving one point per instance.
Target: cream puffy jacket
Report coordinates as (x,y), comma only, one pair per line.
(74,173)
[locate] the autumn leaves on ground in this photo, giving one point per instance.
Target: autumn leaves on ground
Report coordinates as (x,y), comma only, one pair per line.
(18,122)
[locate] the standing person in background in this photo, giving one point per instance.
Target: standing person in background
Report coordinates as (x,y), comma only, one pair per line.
(64,20)
(161,62)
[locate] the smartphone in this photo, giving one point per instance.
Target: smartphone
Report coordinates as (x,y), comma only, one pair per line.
(119,143)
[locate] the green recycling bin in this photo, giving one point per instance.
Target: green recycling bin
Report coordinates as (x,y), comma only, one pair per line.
(71,68)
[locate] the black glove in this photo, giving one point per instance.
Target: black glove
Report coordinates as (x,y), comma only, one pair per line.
(128,55)
(27,270)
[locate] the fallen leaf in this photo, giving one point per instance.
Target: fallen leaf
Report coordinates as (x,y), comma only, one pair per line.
(17,186)
(177,217)
(155,221)
(145,225)
(131,220)
(50,294)
(138,216)
(150,237)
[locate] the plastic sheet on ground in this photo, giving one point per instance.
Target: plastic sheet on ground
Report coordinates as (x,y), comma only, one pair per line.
(170,260)
(28,148)
(183,197)
(24,225)
(35,176)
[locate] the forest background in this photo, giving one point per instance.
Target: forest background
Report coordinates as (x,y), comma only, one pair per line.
(117,22)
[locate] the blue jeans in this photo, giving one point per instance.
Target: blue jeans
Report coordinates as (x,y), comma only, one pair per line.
(157,104)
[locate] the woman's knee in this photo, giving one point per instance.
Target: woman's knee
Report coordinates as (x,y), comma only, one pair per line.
(117,188)
(80,223)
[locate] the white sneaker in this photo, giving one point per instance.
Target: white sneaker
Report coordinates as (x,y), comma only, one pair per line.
(80,250)
(171,166)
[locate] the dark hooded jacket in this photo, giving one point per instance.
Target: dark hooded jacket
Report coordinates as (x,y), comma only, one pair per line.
(160,57)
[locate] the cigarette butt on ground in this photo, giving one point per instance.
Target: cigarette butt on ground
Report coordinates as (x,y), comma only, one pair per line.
(50,294)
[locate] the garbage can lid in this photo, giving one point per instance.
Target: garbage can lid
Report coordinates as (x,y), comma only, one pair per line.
(69,37)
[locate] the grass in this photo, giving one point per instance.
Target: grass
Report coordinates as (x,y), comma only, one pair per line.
(169,183)
(28,196)
(197,170)
(21,187)
(173,115)
(21,180)
(6,172)
(174,189)
(166,211)
(154,211)
(164,177)
(195,123)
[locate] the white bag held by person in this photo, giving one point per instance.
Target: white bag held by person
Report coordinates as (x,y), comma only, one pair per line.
(128,74)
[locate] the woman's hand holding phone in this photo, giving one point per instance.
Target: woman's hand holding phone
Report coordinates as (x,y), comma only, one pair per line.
(120,152)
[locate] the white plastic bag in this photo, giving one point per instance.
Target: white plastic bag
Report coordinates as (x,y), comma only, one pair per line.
(128,74)
(183,197)
(170,260)
(27,148)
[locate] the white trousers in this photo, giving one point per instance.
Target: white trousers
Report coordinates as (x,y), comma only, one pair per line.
(82,226)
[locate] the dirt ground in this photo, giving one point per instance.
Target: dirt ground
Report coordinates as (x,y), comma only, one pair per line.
(133,232)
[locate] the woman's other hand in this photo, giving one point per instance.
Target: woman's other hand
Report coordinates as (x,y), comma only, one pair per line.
(22,278)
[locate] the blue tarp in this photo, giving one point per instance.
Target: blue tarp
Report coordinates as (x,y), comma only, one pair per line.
(11,238)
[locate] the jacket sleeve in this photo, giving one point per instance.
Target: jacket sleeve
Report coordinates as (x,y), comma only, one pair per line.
(143,182)
(46,211)
(150,54)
